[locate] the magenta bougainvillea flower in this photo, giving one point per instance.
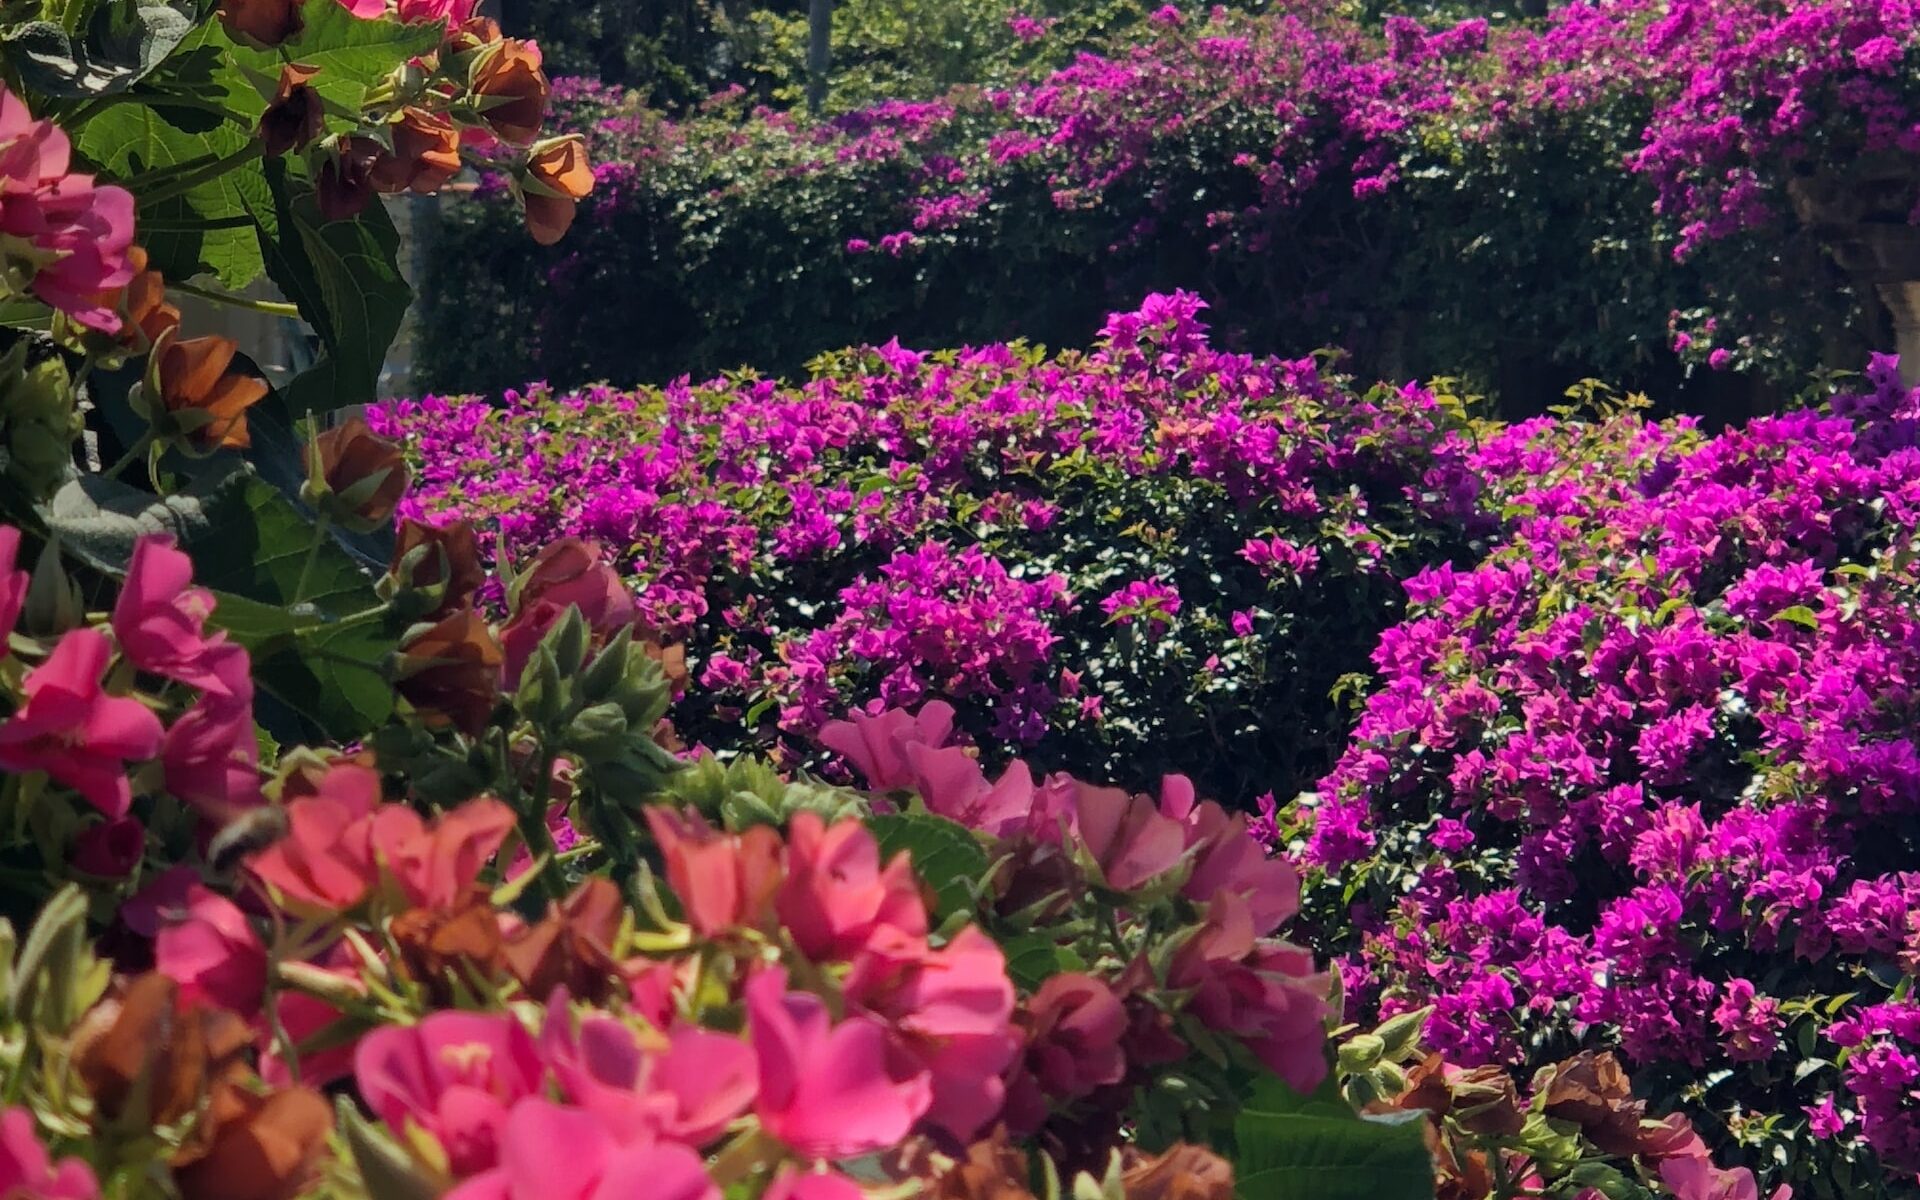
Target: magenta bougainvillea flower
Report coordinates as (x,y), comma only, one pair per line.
(74,730)
(60,229)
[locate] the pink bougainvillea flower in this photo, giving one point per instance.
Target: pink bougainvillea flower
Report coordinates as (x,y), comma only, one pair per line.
(74,731)
(28,1172)
(687,1090)
(950,1009)
(826,1090)
(1128,837)
(366,10)
(454,1076)
(723,880)
(160,618)
(566,573)
(878,746)
(435,864)
(210,949)
(1075,1027)
(1228,859)
(342,842)
(212,759)
(423,12)
(1264,992)
(1696,1178)
(13,584)
(71,235)
(550,1152)
(836,895)
(953,785)
(794,1184)
(325,863)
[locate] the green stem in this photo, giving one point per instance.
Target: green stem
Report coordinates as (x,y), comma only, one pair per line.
(533,827)
(320,528)
(1502,1182)
(134,451)
(271,307)
(206,174)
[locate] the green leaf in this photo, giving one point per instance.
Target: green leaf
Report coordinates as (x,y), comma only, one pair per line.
(946,856)
(212,227)
(353,55)
(345,277)
(323,658)
(1032,958)
(1799,614)
(327,670)
(1317,1148)
(126,40)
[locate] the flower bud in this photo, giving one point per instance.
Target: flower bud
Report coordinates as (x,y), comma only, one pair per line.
(1592,1091)
(355,476)
(192,398)
(556,177)
(435,570)
(1360,1053)
(510,90)
(37,415)
(53,599)
(346,178)
(1400,1036)
(450,673)
(1486,1102)
(439,947)
(295,116)
(143,305)
(425,156)
(262,23)
(250,1146)
(147,1058)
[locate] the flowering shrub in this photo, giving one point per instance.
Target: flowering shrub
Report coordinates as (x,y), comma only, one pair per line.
(1504,201)
(780,989)
(1153,557)
(1646,777)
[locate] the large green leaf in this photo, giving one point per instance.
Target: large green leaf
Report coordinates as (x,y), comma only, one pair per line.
(323,658)
(353,55)
(1294,1147)
(946,856)
(214,226)
(124,42)
(345,277)
(325,669)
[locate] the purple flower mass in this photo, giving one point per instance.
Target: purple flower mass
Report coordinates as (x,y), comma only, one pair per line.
(1679,698)
(912,526)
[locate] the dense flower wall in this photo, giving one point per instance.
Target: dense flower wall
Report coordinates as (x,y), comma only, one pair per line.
(1156,556)
(1590,195)
(1648,774)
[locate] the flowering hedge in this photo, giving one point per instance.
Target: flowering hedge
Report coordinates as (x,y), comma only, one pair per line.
(1440,201)
(1647,776)
(1153,557)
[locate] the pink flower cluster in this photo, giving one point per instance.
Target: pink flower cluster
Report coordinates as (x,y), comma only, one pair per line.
(921,1036)
(1241,981)
(66,235)
(85,736)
